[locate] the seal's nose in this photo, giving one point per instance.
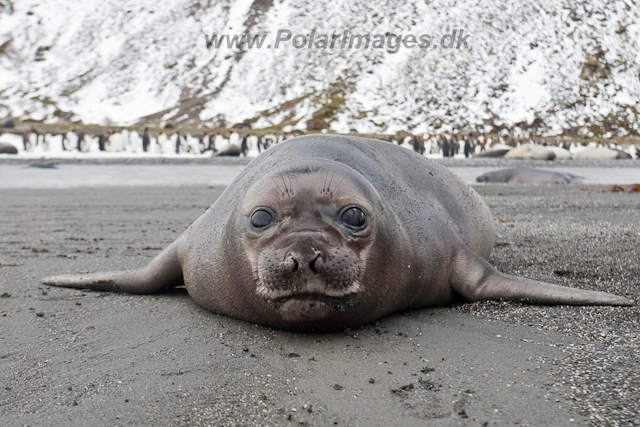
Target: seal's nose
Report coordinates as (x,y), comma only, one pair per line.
(303,261)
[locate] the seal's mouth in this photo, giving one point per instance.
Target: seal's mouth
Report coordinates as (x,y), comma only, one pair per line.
(316,301)
(314,294)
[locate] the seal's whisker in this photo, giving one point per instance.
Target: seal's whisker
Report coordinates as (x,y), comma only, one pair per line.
(324,182)
(330,181)
(286,192)
(343,178)
(290,184)
(276,183)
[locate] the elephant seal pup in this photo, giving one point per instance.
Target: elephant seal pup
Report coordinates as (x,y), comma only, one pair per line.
(528,176)
(322,233)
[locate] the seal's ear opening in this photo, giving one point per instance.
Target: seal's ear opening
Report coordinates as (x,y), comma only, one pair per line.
(476,280)
(164,271)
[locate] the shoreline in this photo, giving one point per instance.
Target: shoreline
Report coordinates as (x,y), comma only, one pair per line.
(6,159)
(73,175)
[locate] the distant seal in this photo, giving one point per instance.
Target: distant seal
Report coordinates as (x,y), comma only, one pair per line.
(8,123)
(530,152)
(561,153)
(323,233)
(228,150)
(528,176)
(492,153)
(6,148)
(622,154)
(596,153)
(42,165)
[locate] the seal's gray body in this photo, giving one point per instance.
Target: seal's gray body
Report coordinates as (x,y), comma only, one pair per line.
(433,212)
(430,237)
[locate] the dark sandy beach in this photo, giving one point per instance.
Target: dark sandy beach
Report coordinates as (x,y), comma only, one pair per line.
(86,358)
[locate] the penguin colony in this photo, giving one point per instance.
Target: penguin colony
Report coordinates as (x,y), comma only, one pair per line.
(249,144)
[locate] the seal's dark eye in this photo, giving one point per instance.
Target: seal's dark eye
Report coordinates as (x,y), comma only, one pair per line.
(354,217)
(261,218)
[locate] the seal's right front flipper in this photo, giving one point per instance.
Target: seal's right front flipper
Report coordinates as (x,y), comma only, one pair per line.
(163,271)
(476,280)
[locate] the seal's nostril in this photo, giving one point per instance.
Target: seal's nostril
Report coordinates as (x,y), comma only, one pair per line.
(312,264)
(292,264)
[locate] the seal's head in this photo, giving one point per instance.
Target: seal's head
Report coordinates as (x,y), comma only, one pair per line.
(308,231)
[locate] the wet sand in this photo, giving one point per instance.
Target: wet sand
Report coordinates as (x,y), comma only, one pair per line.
(87,358)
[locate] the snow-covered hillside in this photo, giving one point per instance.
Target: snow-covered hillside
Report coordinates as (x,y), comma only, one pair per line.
(554,66)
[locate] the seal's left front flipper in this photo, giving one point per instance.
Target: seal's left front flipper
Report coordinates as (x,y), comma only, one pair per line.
(476,280)
(164,271)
